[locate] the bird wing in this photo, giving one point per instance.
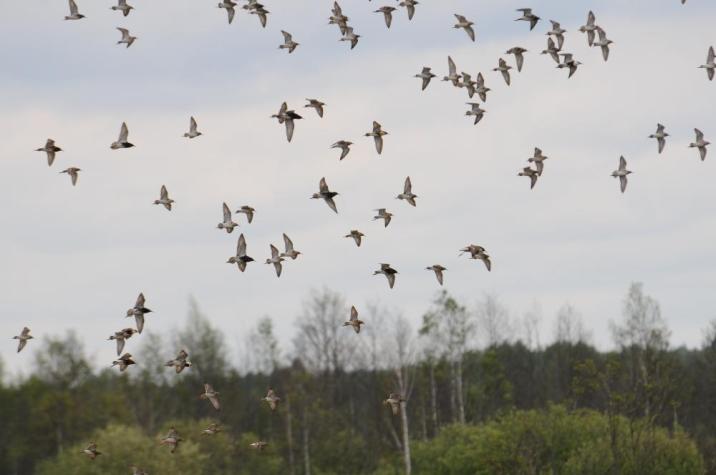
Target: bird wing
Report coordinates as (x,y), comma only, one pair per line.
(274,251)
(623,182)
(73,7)
(120,346)
(278,267)
(25,332)
(322,186)
(140,301)
(711,56)
(354,314)
(288,243)
(470,32)
(163,193)
(622,163)
(283,109)
(590,18)
(289,129)
(602,34)
(227,213)
(460,18)
(452,69)
(123,131)
(286,36)
(192,124)
(331,204)
(378,144)
(662,143)
(125,35)
(391,280)
(408,187)
(139,319)
(699,135)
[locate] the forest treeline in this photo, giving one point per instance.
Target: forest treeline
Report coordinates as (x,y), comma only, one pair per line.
(481,394)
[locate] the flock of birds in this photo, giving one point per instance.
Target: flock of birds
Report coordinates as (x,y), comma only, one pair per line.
(596,37)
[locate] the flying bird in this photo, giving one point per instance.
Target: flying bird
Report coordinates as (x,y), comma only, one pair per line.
(710,65)
(211,395)
(532,174)
(475,110)
(356,235)
(589,28)
(345,147)
(127,39)
(240,259)
(410,6)
(377,135)
(74,12)
(558,32)
(50,149)
(354,321)
(22,338)
(317,105)
(700,143)
(538,158)
(527,15)
(260,12)
(660,136)
(438,269)
(272,399)
(138,312)
(122,141)
(350,35)
(123,362)
(248,211)
(552,50)
(622,173)
(123,7)
(164,199)
(480,88)
(468,84)
(407,193)
(452,76)
(287,117)
(288,42)
(478,252)
(504,68)
(466,25)
(91,450)
(393,402)
(229,6)
(73,173)
(289,250)
(426,75)
(121,337)
(326,195)
(384,215)
(180,362)
(211,430)
(172,439)
(603,42)
(276,260)
(258,445)
(227,223)
(193,133)
(387,14)
(388,272)
(519,56)
(568,61)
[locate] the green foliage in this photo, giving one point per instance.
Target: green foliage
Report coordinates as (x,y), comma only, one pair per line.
(554,441)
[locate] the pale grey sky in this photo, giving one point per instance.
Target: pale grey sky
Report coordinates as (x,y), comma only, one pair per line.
(77,257)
